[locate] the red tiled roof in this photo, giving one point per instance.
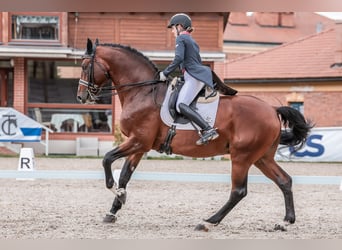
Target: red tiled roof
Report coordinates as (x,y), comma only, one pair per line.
(305,24)
(309,57)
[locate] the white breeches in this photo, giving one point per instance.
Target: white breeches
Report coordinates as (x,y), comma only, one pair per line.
(189,91)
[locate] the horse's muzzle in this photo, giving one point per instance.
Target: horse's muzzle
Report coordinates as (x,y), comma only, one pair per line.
(83,97)
(79,99)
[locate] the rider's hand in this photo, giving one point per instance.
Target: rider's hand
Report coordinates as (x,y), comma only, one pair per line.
(162,77)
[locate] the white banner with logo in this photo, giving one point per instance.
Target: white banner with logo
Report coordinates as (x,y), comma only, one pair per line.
(322,145)
(17,127)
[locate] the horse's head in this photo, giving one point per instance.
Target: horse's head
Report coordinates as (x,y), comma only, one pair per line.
(122,66)
(95,73)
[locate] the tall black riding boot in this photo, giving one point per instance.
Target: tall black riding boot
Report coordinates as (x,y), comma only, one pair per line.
(209,133)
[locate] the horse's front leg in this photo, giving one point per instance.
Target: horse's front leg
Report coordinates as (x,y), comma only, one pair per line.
(107,161)
(130,147)
(120,192)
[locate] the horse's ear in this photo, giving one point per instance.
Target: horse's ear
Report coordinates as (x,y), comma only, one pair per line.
(95,44)
(89,47)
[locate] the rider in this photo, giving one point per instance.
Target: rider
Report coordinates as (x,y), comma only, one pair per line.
(196,75)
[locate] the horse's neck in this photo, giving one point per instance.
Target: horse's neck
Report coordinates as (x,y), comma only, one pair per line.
(144,96)
(129,69)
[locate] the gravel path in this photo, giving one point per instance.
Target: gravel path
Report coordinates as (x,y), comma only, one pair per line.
(73,209)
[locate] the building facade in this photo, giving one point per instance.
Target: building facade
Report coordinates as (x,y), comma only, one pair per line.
(305,74)
(40,57)
(254,32)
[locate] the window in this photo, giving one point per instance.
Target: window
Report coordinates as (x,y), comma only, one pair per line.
(52,89)
(48,85)
(298,106)
(55,81)
(35,27)
(68,120)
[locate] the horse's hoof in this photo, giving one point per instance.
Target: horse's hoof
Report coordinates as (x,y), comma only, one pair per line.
(278,227)
(110,218)
(201,227)
(290,219)
(205,226)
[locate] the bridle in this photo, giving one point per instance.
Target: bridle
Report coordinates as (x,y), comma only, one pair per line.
(94,90)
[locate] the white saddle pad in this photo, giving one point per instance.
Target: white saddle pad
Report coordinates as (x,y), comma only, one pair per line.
(207,110)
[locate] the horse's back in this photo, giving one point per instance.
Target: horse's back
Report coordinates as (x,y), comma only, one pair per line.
(246,106)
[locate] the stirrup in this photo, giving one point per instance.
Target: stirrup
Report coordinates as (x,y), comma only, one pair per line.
(208,135)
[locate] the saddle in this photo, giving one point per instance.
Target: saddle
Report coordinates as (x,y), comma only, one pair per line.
(206,95)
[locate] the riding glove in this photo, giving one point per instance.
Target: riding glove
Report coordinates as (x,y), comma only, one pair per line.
(162,77)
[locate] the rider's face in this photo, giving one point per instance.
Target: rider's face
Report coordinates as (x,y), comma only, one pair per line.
(174,30)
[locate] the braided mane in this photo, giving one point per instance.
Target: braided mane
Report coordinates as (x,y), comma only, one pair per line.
(131,50)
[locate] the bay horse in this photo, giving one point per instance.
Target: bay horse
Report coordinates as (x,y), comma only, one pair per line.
(250,129)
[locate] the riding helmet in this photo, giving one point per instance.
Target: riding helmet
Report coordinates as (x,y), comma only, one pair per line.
(182,19)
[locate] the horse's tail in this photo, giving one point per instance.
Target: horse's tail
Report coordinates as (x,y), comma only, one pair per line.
(296,129)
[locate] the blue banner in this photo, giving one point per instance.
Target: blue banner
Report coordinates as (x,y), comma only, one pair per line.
(322,145)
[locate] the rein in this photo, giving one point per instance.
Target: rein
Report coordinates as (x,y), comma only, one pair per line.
(93,87)
(131,85)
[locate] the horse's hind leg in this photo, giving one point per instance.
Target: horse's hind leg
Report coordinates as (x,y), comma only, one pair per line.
(239,178)
(273,171)
(120,194)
